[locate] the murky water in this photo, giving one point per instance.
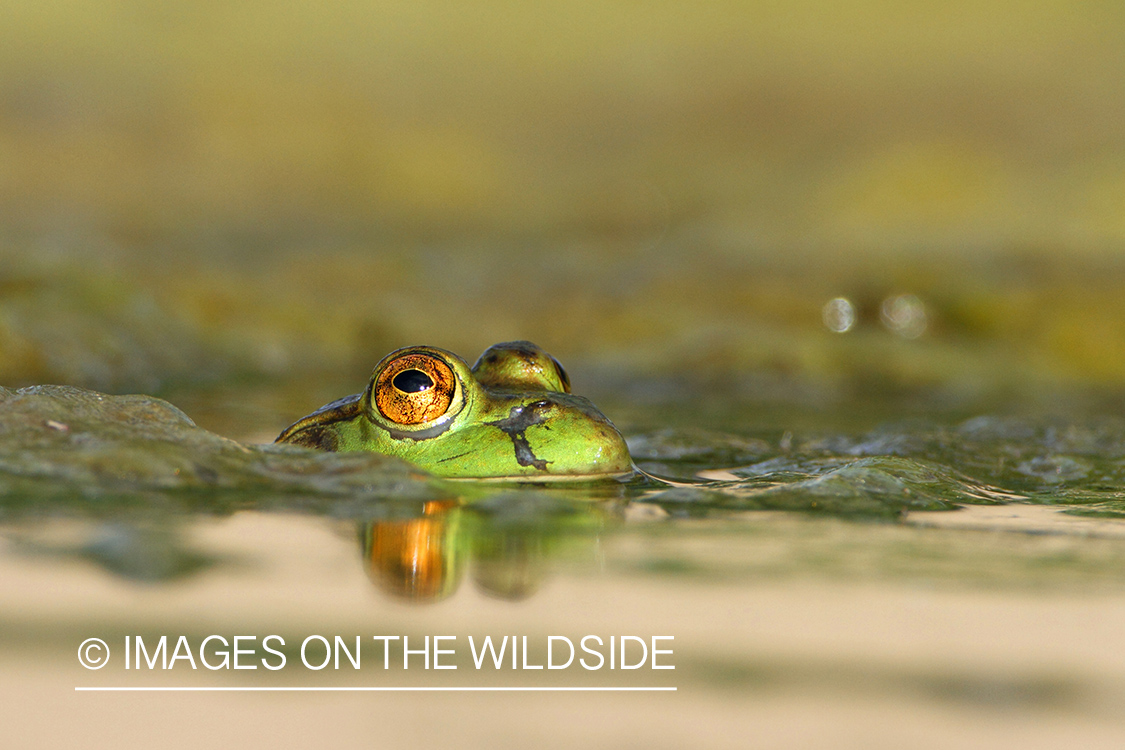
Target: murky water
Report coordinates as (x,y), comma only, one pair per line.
(848,276)
(925,571)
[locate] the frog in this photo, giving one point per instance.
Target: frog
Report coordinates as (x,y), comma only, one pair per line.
(509,416)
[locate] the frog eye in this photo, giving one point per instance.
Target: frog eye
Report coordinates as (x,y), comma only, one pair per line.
(414,388)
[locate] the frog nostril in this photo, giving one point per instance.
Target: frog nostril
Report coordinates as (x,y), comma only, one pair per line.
(563,377)
(412,381)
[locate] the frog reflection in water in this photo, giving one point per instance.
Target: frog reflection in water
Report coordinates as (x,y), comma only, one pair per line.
(511,416)
(415,558)
(424,559)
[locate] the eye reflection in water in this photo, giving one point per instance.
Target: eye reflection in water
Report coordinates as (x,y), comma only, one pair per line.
(415,558)
(506,542)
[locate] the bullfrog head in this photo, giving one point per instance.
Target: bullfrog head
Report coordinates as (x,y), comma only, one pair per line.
(510,416)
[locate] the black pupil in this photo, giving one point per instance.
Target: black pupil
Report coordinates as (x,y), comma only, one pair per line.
(412,381)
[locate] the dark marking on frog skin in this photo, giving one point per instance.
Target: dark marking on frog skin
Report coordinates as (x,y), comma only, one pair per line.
(345,406)
(315,437)
(516,424)
(310,432)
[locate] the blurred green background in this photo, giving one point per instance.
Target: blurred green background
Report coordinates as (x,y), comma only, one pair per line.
(242,206)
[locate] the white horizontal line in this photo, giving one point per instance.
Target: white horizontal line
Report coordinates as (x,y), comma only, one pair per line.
(247,689)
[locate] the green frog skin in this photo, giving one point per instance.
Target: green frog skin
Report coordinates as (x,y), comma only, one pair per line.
(510,416)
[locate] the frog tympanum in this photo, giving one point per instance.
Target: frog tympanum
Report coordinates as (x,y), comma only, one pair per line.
(510,416)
